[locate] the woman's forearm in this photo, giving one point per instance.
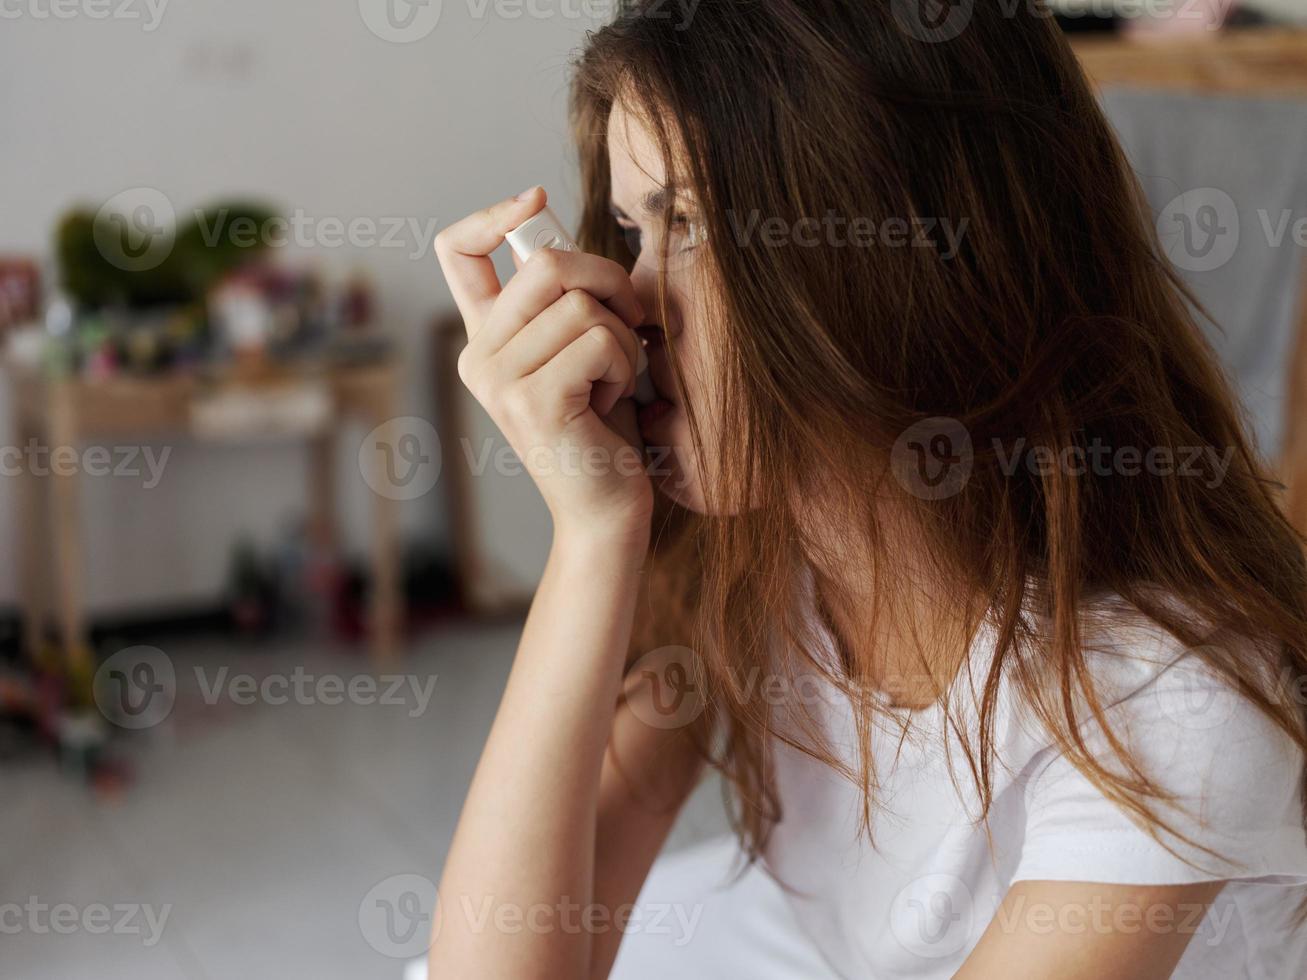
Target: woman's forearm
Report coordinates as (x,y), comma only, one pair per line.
(648,774)
(524,849)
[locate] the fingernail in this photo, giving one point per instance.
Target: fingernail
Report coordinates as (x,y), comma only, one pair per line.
(526,193)
(641,361)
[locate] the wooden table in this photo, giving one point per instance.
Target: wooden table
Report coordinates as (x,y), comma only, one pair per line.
(1247,61)
(73,411)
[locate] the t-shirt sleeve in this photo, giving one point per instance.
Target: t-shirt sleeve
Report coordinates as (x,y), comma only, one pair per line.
(1236,778)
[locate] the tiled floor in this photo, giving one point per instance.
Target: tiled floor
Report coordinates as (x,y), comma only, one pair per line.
(258,829)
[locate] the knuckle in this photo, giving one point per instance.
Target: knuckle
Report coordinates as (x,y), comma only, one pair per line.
(604,337)
(518,401)
(443,241)
(547,261)
(478,377)
(580,304)
(466,366)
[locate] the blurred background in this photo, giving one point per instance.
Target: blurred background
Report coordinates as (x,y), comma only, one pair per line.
(266,563)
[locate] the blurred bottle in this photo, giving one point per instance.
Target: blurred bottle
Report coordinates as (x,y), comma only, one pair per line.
(311,575)
(358,301)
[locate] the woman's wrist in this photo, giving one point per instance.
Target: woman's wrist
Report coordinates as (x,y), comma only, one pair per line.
(625,540)
(626,536)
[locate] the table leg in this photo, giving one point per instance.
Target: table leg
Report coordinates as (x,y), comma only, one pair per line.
(386,603)
(386,609)
(322,493)
(66,530)
(33,567)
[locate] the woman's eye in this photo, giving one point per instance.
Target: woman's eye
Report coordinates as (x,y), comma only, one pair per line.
(683,234)
(692,233)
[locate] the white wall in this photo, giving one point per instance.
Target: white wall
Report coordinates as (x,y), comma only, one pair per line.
(299,102)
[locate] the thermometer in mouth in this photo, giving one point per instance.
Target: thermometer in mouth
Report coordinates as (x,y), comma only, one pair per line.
(543,230)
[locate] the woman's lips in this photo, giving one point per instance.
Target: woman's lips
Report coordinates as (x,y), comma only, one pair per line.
(650,333)
(651,413)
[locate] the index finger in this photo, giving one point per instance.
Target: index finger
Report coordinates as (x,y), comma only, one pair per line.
(463,250)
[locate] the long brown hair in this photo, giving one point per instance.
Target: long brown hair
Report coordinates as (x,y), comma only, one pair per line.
(1055,320)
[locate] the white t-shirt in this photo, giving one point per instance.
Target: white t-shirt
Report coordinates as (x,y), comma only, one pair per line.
(916,903)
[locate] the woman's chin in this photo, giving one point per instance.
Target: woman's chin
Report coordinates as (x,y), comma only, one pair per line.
(688,493)
(684,494)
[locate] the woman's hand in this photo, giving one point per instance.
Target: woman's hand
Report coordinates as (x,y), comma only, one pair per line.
(551,357)
(550,821)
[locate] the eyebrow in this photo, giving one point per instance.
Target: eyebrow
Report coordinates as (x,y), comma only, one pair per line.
(652,204)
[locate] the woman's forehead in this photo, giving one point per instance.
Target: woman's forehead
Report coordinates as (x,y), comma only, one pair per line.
(637,169)
(634,158)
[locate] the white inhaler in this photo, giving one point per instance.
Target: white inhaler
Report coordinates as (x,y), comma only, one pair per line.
(543,230)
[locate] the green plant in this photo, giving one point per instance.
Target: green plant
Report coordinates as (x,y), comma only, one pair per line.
(200,255)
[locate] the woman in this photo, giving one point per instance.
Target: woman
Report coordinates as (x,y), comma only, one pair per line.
(960,567)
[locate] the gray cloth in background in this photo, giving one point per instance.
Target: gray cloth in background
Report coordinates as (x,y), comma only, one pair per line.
(1225,176)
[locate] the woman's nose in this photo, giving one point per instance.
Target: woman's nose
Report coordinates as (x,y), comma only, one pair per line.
(645,280)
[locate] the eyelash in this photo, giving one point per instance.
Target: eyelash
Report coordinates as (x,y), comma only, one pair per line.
(679,220)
